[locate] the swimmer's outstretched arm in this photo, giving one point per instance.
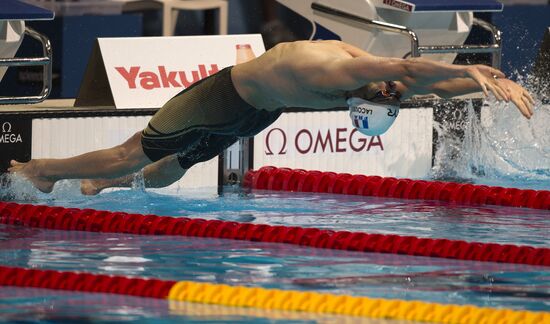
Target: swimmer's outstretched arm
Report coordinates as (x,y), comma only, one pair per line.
(503,88)
(417,74)
(461,86)
(160,174)
(475,78)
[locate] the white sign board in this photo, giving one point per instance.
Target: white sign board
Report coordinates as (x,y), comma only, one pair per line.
(105,132)
(327,141)
(145,72)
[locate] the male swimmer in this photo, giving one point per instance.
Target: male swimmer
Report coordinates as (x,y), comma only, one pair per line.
(240,101)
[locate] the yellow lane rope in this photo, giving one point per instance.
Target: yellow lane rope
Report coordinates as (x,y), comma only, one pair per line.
(288,300)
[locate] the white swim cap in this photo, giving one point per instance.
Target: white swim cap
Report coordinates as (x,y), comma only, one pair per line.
(371,118)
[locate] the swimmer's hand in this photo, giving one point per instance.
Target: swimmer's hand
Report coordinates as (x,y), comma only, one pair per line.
(519,96)
(487,78)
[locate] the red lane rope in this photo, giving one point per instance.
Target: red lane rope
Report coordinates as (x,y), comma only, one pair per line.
(75,281)
(118,222)
(285,179)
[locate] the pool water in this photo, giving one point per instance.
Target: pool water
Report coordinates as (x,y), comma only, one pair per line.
(30,305)
(432,219)
(272,265)
(285,266)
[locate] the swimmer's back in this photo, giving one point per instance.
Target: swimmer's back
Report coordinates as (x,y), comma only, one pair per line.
(292,75)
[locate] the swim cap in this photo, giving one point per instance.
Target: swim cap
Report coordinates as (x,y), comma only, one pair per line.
(371,118)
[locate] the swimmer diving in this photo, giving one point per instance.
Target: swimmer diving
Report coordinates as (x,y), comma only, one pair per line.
(242,100)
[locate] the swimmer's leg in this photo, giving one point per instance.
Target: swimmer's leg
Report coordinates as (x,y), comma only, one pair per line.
(108,163)
(156,175)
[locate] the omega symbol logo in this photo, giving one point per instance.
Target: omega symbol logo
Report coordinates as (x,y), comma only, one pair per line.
(282,150)
(7,137)
(6,127)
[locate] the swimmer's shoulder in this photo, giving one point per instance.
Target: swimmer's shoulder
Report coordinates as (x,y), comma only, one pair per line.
(290,47)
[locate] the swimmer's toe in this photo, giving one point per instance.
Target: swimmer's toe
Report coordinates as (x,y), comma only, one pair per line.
(14,162)
(15,166)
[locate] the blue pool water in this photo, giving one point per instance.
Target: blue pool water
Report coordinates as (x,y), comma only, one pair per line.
(47,306)
(432,219)
(294,267)
(279,266)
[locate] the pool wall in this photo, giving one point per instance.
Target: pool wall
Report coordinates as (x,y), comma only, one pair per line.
(327,141)
(67,131)
(324,141)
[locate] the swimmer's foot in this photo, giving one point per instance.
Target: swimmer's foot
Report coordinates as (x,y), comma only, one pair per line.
(31,171)
(90,187)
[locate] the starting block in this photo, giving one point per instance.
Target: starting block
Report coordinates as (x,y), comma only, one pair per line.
(397,28)
(13,14)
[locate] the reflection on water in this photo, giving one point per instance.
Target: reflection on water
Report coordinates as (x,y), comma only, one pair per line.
(50,306)
(280,266)
(432,219)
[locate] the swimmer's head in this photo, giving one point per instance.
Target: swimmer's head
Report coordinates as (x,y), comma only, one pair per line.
(375,115)
(378,92)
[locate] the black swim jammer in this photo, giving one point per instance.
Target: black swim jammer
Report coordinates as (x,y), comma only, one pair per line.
(202,121)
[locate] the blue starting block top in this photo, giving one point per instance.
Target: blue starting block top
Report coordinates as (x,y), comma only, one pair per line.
(18,10)
(444,5)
